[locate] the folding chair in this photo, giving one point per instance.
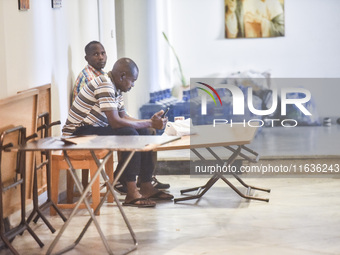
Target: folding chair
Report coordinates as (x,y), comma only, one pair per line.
(19,180)
(42,160)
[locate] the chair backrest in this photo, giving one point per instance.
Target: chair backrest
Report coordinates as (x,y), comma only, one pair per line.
(12,170)
(43,127)
(21,109)
(42,158)
(44,95)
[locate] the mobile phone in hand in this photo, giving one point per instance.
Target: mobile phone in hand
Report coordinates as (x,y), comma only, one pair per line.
(165,112)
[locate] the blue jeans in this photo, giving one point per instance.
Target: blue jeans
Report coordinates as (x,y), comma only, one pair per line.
(141,163)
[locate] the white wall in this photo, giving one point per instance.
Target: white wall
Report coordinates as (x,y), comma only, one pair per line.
(309,49)
(108,31)
(138,40)
(45,45)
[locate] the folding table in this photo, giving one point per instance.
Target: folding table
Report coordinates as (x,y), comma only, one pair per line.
(231,138)
(92,143)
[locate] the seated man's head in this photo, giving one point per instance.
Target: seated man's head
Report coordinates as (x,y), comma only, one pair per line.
(124,74)
(95,55)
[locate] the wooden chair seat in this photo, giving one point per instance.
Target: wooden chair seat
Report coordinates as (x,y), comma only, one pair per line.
(80,160)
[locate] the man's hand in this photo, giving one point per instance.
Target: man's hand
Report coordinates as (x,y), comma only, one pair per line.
(157,121)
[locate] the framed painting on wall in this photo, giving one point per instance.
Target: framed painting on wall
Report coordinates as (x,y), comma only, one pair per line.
(24,5)
(254,18)
(56,3)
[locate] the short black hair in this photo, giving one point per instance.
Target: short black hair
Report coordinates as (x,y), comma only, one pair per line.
(88,46)
(125,65)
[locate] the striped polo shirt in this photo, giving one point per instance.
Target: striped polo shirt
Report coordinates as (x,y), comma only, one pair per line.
(86,75)
(93,100)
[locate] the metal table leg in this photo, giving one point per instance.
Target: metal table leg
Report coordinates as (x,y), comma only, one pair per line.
(249,187)
(201,190)
(111,190)
(84,199)
(37,210)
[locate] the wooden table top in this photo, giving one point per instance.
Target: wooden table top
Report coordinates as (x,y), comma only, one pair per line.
(209,136)
(117,143)
(206,136)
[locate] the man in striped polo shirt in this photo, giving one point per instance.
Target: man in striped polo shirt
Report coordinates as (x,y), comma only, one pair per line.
(96,57)
(99,109)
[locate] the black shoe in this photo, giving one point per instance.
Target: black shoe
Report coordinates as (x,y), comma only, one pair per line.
(120,188)
(158,185)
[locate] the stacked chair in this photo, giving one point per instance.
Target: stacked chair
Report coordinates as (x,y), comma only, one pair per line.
(13,163)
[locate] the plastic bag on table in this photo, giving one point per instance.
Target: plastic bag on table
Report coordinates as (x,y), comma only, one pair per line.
(179,128)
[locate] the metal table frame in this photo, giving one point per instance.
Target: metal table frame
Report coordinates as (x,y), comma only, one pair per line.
(130,144)
(233,139)
(201,190)
(83,198)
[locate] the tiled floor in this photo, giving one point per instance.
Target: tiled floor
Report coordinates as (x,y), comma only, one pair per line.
(302,217)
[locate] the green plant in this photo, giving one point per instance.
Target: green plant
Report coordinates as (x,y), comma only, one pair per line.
(183,81)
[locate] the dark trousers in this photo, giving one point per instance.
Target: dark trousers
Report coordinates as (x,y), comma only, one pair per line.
(141,163)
